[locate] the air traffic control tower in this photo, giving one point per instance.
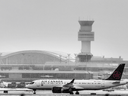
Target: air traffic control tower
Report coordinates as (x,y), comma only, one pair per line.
(85,35)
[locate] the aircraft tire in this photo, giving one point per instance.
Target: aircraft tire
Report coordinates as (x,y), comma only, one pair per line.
(77,93)
(5,91)
(71,92)
(34,91)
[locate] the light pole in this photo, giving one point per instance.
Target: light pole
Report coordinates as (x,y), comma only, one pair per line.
(75,58)
(1,59)
(68,57)
(60,58)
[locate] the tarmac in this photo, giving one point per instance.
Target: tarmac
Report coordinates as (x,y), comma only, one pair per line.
(82,93)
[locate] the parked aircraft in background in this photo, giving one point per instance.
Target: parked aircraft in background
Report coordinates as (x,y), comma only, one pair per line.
(68,86)
(9,86)
(3,84)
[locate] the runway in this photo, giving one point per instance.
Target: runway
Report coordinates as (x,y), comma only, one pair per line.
(82,93)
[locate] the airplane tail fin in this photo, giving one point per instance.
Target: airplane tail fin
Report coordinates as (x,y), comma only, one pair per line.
(117,74)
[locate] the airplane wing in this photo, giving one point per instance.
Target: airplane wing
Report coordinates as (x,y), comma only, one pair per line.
(77,88)
(68,86)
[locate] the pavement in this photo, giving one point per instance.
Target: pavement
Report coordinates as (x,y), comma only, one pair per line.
(49,93)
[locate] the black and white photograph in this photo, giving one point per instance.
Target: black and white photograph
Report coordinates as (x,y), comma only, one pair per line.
(63,47)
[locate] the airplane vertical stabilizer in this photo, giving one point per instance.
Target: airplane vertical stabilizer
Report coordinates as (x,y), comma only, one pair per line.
(117,74)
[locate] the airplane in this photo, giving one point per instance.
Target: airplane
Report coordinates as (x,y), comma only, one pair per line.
(3,84)
(69,86)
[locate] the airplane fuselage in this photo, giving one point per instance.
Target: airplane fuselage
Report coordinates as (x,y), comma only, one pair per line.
(78,84)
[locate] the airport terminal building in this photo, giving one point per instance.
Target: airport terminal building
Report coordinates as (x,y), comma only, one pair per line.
(25,66)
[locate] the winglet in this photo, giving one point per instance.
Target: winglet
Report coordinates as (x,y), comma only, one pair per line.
(70,84)
(117,74)
(72,81)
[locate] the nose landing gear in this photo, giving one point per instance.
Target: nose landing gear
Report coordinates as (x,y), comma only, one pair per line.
(34,91)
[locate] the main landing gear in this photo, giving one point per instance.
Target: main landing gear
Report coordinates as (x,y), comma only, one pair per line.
(77,93)
(71,92)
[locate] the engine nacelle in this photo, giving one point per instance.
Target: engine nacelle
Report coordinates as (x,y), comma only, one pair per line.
(56,89)
(59,90)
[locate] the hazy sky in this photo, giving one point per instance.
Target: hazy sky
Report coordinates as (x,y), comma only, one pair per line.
(52,25)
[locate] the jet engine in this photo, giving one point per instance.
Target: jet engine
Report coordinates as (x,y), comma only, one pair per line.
(57,90)
(61,90)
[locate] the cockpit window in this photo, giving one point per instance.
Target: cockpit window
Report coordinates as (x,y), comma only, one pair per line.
(32,83)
